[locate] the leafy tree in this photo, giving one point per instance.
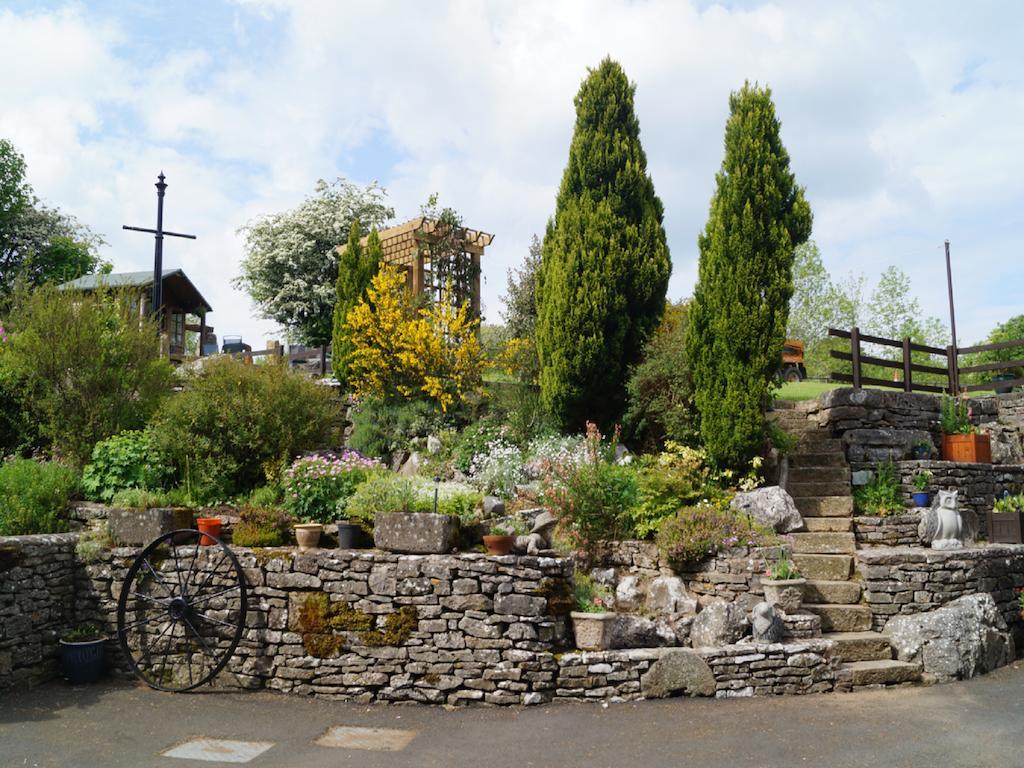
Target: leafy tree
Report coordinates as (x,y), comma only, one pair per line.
(520,314)
(404,352)
(84,367)
(741,302)
(291,264)
(356,267)
(605,263)
(1011,330)
(38,244)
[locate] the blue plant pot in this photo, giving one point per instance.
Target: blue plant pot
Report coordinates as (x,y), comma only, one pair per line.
(922,499)
(81,662)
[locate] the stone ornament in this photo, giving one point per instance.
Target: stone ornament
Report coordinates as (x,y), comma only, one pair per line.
(941,526)
(765,624)
(539,537)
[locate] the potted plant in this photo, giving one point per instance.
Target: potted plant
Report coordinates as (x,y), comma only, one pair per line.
(592,621)
(209,527)
(1000,377)
(81,654)
(921,496)
(922,450)
(346,534)
(784,586)
(500,540)
(960,439)
(1020,602)
(1005,521)
(307,535)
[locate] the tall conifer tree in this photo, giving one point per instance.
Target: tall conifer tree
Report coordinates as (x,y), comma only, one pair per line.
(605,263)
(741,302)
(357,265)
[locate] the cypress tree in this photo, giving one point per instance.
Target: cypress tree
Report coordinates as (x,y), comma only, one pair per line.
(605,263)
(745,280)
(357,265)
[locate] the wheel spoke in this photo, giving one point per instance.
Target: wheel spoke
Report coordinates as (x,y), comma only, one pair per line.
(211,574)
(204,617)
(148,654)
(140,623)
(191,568)
(149,599)
(145,562)
(177,566)
(167,651)
(215,594)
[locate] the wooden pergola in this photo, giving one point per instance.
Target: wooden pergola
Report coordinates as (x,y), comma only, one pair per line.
(417,247)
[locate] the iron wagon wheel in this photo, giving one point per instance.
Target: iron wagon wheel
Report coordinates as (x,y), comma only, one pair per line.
(181,611)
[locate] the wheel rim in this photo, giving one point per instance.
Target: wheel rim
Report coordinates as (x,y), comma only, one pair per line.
(181,611)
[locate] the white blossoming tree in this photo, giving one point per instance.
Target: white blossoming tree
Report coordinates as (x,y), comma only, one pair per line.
(291,262)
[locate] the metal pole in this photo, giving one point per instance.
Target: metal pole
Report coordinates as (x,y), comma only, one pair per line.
(158,252)
(954,373)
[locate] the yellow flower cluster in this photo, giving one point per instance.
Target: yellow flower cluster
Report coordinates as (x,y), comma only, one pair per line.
(400,350)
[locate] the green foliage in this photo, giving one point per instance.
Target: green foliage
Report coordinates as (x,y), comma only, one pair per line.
(380,428)
(1009,504)
(676,478)
(235,427)
(605,265)
(699,532)
(356,267)
(591,596)
(922,480)
(140,498)
(83,633)
(660,387)
(1011,330)
(386,492)
(85,367)
(956,419)
(473,441)
(266,496)
(126,460)
(93,542)
(741,302)
(34,496)
(783,569)
(780,438)
(592,498)
(882,496)
(317,487)
(261,527)
(520,312)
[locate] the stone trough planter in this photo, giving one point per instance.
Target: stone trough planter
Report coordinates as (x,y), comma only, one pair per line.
(418,533)
(785,594)
(593,631)
(136,527)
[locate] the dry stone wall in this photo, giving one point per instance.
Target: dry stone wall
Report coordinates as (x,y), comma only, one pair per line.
(905,581)
(892,531)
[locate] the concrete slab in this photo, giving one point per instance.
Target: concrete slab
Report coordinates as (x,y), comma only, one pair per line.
(375,739)
(219,750)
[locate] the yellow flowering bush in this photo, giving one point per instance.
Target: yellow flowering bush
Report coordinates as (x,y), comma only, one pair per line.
(401,351)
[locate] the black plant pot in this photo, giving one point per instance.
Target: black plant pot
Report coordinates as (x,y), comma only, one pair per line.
(81,662)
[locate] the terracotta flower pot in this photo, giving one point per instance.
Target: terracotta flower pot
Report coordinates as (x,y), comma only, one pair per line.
(785,594)
(209,527)
(972,449)
(499,545)
(308,535)
(593,631)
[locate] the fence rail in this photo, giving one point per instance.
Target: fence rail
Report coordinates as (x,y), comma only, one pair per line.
(952,371)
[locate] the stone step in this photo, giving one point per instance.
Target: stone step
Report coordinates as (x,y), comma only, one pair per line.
(827,488)
(824,506)
(824,567)
(820,524)
(880,672)
(783,405)
(860,646)
(803,459)
(824,543)
(818,475)
(818,591)
(842,618)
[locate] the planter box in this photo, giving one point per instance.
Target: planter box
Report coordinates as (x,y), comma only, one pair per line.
(593,631)
(785,594)
(1005,527)
(971,449)
(419,533)
(81,663)
(136,527)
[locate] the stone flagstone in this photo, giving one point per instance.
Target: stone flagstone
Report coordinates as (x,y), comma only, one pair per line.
(374,739)
(219,750)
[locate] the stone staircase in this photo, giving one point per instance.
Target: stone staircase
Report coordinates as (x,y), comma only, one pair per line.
(818,479)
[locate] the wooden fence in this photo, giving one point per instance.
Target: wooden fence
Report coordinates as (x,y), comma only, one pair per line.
(906,366)
(278,351)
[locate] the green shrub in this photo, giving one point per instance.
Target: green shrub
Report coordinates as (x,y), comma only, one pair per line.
(387,492)
(701,531)
(317,487)
(92,543)
(126,460)
(474,441)
(678,477)
(883,495)
(592,498)
(266,496)
(381,428)
(34,496)
(140,498)
(261,527)
(235,427)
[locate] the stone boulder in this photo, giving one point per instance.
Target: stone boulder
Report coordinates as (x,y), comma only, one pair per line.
(770,506)
(632,631)
(719,624)
(1007,443)
(628,593)
(679,671)
(493,507)
(668,595)
(964,638)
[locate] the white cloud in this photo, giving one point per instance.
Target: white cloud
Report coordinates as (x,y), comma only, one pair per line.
(900,120)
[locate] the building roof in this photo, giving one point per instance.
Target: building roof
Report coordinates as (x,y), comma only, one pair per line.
(178,289)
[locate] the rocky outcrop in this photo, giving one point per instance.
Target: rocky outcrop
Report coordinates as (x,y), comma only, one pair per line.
(719,624)
(965,638)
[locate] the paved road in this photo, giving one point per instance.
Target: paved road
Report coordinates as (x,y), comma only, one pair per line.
(978,723)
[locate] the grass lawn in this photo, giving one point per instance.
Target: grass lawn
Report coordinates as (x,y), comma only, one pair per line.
(804,390)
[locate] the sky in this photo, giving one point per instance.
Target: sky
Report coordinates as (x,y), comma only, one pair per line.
(902,121)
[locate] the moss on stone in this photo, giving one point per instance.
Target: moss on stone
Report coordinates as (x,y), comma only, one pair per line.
(264,555)
(319,620)
(398,627)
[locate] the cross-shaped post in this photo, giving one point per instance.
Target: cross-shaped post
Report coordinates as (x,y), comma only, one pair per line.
(158,250)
